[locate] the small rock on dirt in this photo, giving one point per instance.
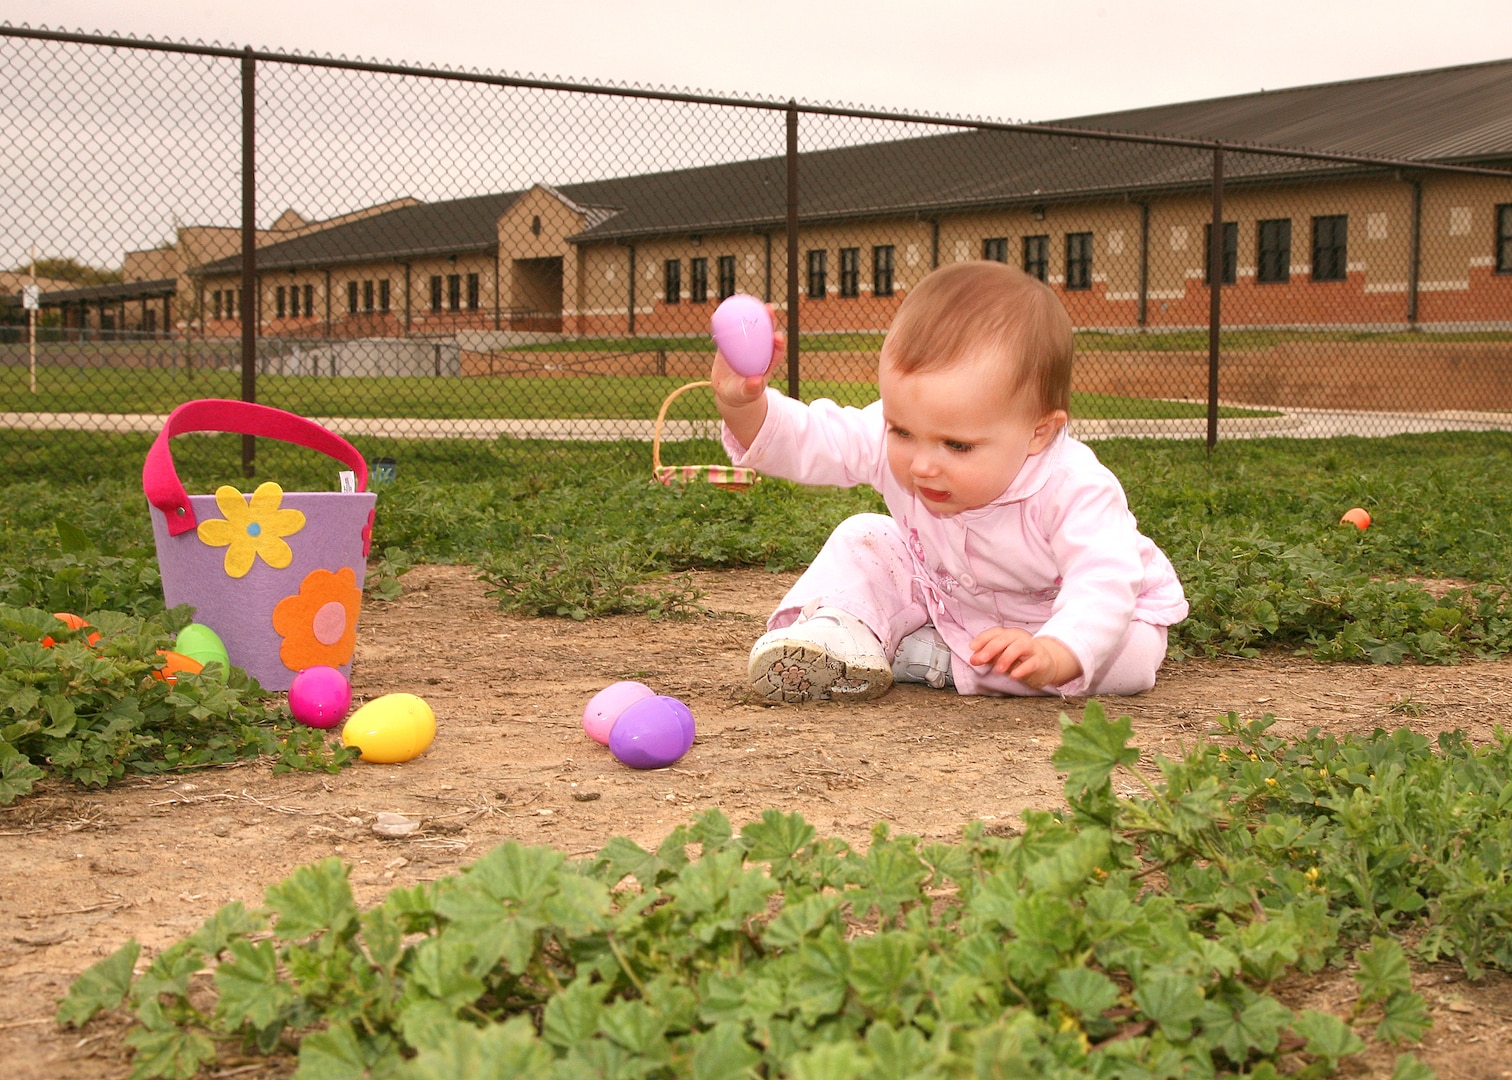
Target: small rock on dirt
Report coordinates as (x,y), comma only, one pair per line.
(394,825)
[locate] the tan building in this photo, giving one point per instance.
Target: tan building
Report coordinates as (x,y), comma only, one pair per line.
(160,293)
(1120,229)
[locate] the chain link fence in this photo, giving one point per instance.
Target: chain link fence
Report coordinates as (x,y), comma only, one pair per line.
(419,254)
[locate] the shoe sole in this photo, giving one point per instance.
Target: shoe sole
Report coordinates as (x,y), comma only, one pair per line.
(797,671)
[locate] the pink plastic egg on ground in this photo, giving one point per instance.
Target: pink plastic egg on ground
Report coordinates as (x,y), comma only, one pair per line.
(742,329)
(604,708)
(652,733)
(320,697)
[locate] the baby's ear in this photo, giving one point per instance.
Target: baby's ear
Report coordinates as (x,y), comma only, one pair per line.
(1046,428)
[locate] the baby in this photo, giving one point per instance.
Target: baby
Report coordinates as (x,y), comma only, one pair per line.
(1008,561)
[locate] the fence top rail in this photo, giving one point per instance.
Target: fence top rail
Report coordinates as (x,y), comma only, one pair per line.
(773,104)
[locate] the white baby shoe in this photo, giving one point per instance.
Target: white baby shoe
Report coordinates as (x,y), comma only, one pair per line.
(923,657)
(827,655)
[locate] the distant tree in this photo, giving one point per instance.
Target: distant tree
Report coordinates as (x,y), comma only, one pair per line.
(71,269)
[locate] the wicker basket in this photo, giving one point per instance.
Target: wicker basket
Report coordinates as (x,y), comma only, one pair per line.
(729,477)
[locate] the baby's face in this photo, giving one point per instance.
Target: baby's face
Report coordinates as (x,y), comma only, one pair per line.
(953,437)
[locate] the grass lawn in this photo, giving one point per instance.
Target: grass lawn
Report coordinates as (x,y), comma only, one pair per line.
(158,390)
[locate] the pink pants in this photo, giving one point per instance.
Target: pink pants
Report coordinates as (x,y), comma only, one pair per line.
(864,568)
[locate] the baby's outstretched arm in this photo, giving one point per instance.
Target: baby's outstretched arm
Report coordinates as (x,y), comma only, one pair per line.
(742,399)
(1036,661)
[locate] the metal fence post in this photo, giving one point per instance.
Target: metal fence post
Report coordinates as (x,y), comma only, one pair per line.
(792,248)
(249,305)
(1215,294)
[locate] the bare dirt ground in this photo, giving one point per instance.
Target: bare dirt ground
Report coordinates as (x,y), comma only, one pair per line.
(81,871)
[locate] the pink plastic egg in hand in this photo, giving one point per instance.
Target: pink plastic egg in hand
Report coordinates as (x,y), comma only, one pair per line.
(320,697)
(604,708)
(742,329)
(652,733)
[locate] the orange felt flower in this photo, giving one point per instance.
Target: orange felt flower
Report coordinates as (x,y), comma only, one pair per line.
(318,624)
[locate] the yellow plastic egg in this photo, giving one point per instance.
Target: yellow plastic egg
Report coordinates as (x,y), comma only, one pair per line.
(391,728)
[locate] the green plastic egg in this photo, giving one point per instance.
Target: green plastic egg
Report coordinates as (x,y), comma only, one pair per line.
(201,643)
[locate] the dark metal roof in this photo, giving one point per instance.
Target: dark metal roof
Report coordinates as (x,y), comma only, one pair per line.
(454,227)
(122,290)
(1459,114)
(923,176)
(1455,114)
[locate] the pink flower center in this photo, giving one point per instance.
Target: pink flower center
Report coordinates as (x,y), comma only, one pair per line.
(330,623)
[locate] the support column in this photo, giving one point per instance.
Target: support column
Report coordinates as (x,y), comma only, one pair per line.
(1414,252)
(1215,295)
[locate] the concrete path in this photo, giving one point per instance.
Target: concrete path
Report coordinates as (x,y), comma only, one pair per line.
(395,427)
(1294,423)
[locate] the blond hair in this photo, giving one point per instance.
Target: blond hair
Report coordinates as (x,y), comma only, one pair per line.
(962,310)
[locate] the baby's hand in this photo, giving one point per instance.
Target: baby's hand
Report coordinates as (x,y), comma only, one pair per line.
(736,390)
(1037,661)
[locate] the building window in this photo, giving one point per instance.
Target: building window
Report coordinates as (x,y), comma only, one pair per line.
(367,296)
(1230,253)
(882,270)
(351,298)
(454,292)
(1079,260)
(435,291)
(294,301)
(473,291)
(1504,238)
(818,266)
(850,272)
(672,281)
(1037,256)
(216,299)
(383,295)
(309,300)
(1274,264)
(726,276)
(279,303)
(698,281)
(1330,249)
(995,249)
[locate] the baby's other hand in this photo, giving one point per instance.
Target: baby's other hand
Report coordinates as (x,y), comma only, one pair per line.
(1036,661)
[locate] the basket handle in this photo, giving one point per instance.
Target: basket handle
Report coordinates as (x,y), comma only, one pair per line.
(661,419)
(160,480)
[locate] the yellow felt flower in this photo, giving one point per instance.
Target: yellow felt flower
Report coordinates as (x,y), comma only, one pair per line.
(252,528)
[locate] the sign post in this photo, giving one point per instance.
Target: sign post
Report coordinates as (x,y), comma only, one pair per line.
(31,300)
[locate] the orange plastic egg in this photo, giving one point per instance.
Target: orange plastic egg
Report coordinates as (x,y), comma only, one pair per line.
(1359,517)
(73,622)
(173,664)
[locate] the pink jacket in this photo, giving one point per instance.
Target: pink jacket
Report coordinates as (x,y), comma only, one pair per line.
(1058,553)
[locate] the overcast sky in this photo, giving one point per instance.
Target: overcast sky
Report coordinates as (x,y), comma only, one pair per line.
(999,59)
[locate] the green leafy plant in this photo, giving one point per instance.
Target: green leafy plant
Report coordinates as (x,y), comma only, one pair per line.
(1252,592)
(1121,936)
(384,569)
(552,578)
(93,711)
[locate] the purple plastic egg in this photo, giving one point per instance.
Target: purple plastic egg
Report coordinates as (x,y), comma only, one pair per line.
(742,329)
(652,733)
(320,697)
(604,708)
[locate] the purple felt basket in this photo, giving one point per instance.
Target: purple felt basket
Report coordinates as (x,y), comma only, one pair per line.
(277,575)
